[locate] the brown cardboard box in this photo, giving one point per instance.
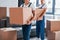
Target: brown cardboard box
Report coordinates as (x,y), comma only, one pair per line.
(3,11)
(53,25)
(38,12)
(8,34)
(42,12)
(41,16)
(53,35)
(19,15)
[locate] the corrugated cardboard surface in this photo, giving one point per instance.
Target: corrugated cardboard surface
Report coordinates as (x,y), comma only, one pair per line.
(8,35)
(53,35)
(27,14)
(57,37)
(38,12)
(53,25)
(3,11)
(50,35)
(20,15)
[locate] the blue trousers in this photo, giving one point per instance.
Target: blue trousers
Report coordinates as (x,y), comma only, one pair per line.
(40,28)
(26,31)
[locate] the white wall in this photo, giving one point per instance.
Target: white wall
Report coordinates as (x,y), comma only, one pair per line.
(8,3)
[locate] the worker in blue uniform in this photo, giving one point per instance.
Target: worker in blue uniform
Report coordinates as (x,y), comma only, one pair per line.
(40,24)
(26,28)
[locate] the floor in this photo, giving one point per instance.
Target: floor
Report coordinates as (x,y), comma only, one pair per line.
(37,39)
(34,38)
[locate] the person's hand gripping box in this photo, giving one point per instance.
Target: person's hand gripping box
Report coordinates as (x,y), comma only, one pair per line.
(38,13)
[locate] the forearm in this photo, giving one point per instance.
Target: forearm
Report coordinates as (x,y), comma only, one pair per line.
(43,12)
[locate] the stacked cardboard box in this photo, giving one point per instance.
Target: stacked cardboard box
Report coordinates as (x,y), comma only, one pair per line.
(3,11)
(19,15)
(55,35)
(53,25)
(8,34)
(53,29)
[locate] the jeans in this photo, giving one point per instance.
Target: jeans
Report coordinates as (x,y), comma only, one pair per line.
(40,28)
(26,31)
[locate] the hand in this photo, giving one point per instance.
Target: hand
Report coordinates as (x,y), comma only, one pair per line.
(42,13)
(30,20)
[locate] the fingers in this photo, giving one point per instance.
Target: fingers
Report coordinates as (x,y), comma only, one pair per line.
(29,22)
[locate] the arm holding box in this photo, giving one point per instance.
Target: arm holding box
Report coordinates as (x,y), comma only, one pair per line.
(43,7)
(42,14)
(31,18)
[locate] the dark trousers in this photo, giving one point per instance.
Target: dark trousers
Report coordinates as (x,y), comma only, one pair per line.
(40,28)
(26,31)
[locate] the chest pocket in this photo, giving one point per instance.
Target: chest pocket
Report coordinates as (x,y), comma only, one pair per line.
(28,5)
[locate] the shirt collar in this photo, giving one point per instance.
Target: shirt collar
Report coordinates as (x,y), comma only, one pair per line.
(27,4)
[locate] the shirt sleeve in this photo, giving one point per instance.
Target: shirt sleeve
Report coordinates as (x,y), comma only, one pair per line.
(32,6)
(44,6)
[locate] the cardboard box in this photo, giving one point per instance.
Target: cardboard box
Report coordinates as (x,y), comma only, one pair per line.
(20,15)
(38,12)
(8,34)
(3,11)
(53,25)
(55,35)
